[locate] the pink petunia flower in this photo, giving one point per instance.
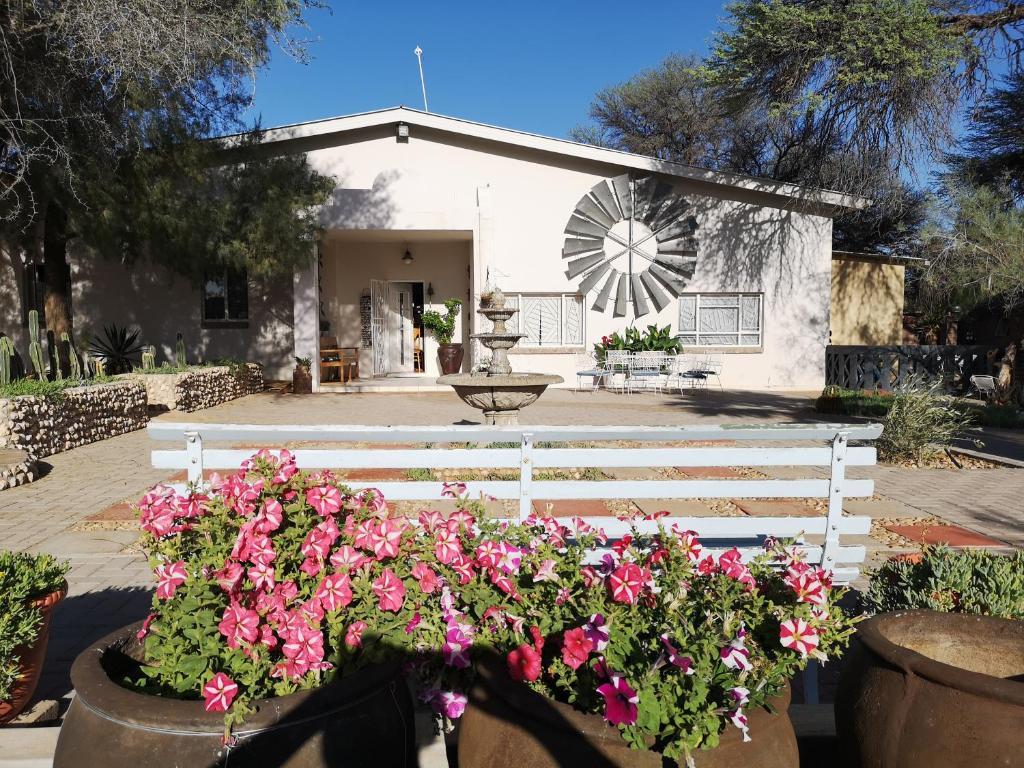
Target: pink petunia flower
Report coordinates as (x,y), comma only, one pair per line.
(453,490)
(740,695)
(447,546)
(449,703)
(798,635)
(620,701)
(270,516)
(625,583)
(385,539)
(576,647)
(675,658)
(390,591)
(348,558)
(261,576)
(808,588)
(488,553)
(736,656)
(596,629)
(324,499)
(229,578)
(510,559)
(141,634)
(354,634)
(455,650)
(239,625)
(738,719)
(334,592)
(169,577)
(219,691)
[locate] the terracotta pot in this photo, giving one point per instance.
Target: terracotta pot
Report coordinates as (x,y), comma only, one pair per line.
(302,381)
(922,688)
(449,358)
(364,719)
(30,659)
(507,725)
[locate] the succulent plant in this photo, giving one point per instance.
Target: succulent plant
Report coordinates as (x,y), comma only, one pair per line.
(35,349)
(149,359)
(74,367)
(179,352)
(6,355)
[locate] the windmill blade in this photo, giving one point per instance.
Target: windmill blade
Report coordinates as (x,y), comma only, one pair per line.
(574,246)
(587,283)
(675,284)
(640,305)
(684,266)
(580,226)
(578,266)
(682,228)
(671,209)
(659,196)
(589,208)
(606,200)
(678,245)
(643,194)
(621,294)
(657,295)
(620,185)
(601,302)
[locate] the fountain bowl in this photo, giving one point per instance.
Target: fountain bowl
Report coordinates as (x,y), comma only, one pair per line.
(500,396)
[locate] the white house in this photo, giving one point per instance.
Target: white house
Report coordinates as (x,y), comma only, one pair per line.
(584,240)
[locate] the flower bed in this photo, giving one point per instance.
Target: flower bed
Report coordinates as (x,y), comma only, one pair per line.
(202,387)
(279,581)
(44,425)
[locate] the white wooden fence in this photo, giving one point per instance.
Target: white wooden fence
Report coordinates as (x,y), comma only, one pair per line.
(803,445)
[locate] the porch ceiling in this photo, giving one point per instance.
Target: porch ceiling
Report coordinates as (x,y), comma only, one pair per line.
(398,235)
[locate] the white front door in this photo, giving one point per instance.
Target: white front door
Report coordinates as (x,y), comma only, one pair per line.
(400,357)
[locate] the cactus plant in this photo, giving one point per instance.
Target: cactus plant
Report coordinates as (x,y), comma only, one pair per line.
(35,349)
(58,373)
(179,353)
(149,359)
(6,355)
(74,368)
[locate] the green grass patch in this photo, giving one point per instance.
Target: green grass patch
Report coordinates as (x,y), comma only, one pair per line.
(49,389)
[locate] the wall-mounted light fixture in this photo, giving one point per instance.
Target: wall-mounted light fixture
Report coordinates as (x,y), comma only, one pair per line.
(402,132)
(407,258)
(430,291)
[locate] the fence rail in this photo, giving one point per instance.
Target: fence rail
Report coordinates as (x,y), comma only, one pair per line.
(862,367)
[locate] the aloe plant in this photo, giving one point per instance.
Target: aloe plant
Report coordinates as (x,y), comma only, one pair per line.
(119,348)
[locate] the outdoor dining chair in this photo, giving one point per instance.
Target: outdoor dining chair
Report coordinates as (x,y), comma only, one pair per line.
(646,370)
(616,366)
(587,366)
(984,386)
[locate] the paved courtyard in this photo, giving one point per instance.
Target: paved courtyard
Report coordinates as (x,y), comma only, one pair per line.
(109,581)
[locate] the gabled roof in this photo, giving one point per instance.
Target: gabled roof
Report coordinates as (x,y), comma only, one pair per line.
(415,117)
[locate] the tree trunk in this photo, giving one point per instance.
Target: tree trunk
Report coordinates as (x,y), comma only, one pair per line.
(57,301)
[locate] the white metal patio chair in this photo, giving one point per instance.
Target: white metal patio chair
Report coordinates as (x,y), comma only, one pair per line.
(687,373)
(616,366)
(984,386)
(710,367)
(587,366)
(646,370)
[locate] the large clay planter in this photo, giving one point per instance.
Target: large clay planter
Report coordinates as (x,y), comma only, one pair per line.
(507,725)
(935,690)
(302,381)
(364,719)
(30,658)
(449,358)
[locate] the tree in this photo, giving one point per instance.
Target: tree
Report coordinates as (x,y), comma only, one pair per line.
(680,112)
(90,88)
(883,75)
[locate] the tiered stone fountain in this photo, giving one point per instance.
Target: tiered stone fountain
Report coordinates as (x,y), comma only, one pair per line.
(498,392)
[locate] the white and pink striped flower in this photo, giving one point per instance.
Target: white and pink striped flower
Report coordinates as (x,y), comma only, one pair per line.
(799,636)
(169,577)
(219,691)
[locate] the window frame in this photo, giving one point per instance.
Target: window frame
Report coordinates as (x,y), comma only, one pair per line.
(515,298)
(226,321)
(740,331)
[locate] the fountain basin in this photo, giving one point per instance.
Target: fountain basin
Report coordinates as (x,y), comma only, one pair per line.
(500,396)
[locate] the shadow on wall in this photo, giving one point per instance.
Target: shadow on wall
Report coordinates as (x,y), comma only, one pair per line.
(867,303)
(784,253)
(162,304)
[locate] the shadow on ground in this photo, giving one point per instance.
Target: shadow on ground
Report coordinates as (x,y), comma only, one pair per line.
(732,404)
(79,621)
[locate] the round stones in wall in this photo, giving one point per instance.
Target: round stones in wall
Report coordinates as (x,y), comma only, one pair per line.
(630,240)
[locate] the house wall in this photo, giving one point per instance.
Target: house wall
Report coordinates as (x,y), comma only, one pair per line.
(161,304)
(867,302)
(516,203)
(349,265)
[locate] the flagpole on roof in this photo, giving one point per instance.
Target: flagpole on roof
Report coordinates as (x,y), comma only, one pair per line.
(423,83)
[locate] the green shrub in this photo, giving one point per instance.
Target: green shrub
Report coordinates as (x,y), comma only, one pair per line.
(22,578)
(848,402)
(966,581)
(920,423)
(443,326)
(53,390)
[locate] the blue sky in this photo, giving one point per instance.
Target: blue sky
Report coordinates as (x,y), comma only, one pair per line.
(529,65)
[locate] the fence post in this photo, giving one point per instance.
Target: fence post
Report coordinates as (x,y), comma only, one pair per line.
(194,454)
(526,476)
(835,500)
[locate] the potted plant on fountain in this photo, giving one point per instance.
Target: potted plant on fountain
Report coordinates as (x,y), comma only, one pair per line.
(449,354)
(30,588)
(936,677)
(656,653)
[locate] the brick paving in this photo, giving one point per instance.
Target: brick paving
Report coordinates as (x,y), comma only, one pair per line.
(110,581)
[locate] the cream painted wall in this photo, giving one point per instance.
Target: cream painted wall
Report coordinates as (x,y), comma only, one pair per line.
(516,203)
(867,302)
(349,265)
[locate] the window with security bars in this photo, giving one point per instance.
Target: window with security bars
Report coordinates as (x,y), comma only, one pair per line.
(548,320)
(720,319)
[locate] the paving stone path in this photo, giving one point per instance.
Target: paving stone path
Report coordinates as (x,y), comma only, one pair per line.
(110,581)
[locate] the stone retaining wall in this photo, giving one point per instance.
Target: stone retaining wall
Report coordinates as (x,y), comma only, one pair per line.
(199,388)
(16,468)
(43,426)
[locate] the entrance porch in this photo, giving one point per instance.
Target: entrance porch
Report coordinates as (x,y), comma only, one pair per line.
(373,288)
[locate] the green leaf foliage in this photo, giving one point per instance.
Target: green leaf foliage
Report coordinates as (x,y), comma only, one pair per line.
(952,581)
